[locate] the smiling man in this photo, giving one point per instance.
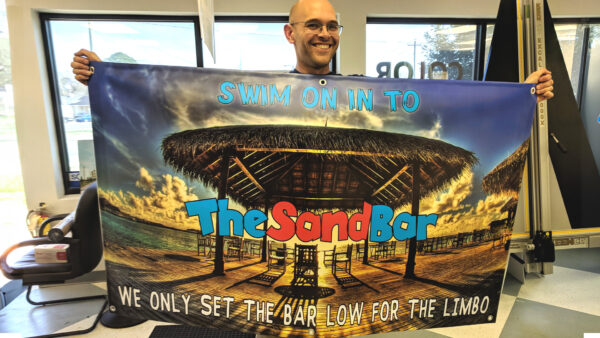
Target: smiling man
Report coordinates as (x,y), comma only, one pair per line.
(315,32)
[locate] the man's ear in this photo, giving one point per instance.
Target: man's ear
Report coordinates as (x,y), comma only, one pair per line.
(289,33)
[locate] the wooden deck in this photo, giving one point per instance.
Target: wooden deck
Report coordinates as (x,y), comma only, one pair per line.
(460,272)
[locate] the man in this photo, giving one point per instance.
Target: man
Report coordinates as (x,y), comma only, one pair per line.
(314,31)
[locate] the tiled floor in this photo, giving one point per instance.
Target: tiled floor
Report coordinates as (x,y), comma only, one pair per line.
(563,304)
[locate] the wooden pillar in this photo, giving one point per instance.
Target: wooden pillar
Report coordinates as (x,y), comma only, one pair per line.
(263,257)
(366,251)
(412,244)
(366,248)
(198,242)
(222,193)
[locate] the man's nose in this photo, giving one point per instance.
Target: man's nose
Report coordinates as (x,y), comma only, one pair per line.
(323,31)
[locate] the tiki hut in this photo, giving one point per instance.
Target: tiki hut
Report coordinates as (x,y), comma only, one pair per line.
(511,208)
(506,176)
(315,168)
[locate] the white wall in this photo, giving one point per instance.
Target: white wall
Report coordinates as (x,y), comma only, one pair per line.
(33,108)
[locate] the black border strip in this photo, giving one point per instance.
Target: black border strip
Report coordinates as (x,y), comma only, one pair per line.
(425,21)
(54,95)
(251,18)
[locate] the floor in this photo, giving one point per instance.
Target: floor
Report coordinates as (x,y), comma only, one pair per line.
(564,304)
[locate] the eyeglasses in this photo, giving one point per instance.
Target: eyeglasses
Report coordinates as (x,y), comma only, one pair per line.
(316,27)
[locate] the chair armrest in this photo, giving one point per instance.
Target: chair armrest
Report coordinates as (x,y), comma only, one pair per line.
(57,233)
(6,269)
(47,222)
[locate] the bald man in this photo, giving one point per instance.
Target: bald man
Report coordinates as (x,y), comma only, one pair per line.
(314,31)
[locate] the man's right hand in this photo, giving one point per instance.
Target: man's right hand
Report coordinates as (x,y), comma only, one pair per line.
(81,65)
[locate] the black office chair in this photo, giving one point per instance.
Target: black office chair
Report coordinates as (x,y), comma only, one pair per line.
(83,255)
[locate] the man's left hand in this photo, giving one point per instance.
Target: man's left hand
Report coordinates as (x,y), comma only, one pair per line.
(544,84)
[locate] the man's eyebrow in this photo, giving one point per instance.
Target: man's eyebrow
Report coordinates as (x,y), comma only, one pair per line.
(319,21)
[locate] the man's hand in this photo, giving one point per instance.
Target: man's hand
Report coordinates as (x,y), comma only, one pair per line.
(81,65)
(544,84)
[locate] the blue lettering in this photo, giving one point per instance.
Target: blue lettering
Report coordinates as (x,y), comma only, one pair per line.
(252,218)
(248,95)
(365,101)
(392,94)
(315,97)
(381,230)
(225,216)
(285,96)
(203,209)
(227,97)
(326,98)
(402,234)
(415,101)
(263,95)
(424,221)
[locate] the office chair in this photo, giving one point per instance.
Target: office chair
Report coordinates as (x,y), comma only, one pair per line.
(83,255)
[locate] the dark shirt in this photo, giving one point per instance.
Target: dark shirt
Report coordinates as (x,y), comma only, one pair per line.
(295,71)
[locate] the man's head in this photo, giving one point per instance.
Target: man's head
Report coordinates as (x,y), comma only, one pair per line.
(314,47)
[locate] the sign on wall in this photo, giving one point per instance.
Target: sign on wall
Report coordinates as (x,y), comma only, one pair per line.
(293,204)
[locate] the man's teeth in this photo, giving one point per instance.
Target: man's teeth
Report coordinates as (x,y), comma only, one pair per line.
(323,46)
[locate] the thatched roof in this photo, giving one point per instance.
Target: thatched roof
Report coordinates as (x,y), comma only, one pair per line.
(506,176)
(511,204)
(315,167)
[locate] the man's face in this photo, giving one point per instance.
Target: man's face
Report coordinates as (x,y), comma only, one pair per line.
(314,48)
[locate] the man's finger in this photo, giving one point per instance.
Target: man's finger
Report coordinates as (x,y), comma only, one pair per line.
(545,90)
(77,65)
(544,84)
(81,60)
(88,54)
(82,79)
(545,78)
(82,72)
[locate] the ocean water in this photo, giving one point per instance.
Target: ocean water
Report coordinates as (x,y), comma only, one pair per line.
(126,232)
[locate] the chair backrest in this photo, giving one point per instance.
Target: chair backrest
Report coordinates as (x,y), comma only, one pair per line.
(86,228)
(349,251)
(275,245)
(306,255)
(343,249)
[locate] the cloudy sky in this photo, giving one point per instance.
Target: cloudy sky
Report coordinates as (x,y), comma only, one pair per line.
(135,106)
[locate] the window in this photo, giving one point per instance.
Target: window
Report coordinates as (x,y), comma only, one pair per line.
(241,43)
(148,40)
(579,41)
(12,195)
(442,49)
(249,43)
(590,101)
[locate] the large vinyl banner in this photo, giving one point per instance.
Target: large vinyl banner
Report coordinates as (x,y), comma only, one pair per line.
(289,204)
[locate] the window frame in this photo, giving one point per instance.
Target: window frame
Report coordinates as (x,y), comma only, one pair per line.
(583,66)
(267,19)
(45,19)
(479,56)
(480,32)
